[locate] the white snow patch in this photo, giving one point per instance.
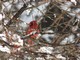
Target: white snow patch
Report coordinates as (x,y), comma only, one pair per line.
(19,5)
(77,10)
(74,1)
(60,57)
(6,6)
(47,37)
(34,13)
(1,17)
(3,37)
(40,58)
(46,50)
(49,31)
(4,49)
(49,57)
(6,21)
(66,6)
(19,40)
(16,37)
(69,39)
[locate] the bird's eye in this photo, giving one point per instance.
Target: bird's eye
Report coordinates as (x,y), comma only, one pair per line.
(31,24)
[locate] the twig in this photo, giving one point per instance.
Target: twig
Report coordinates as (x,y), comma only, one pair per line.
(16,15)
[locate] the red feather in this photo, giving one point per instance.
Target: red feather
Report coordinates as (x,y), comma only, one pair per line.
(33,26)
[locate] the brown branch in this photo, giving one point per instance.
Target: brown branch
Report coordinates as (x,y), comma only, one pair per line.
(16,15)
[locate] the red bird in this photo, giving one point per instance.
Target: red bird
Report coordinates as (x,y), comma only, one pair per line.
(33,30)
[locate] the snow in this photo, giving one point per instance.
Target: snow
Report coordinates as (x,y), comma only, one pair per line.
(6,6)
(74,1)
(2,36)
(73,12)
(39,58)
(78,34)
(34,13)
(19,41)
(45,50)
(77,10)
(48,36)
(1,17)
(66,6)
(10,59)
(49,31)
(69,39)
(19,5)
(4,49)
(74,28)
(49,57)
(60,57)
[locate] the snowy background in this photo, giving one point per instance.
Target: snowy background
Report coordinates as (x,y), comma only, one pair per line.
(9,8)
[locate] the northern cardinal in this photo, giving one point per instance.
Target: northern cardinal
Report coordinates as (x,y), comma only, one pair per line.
(33,31)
